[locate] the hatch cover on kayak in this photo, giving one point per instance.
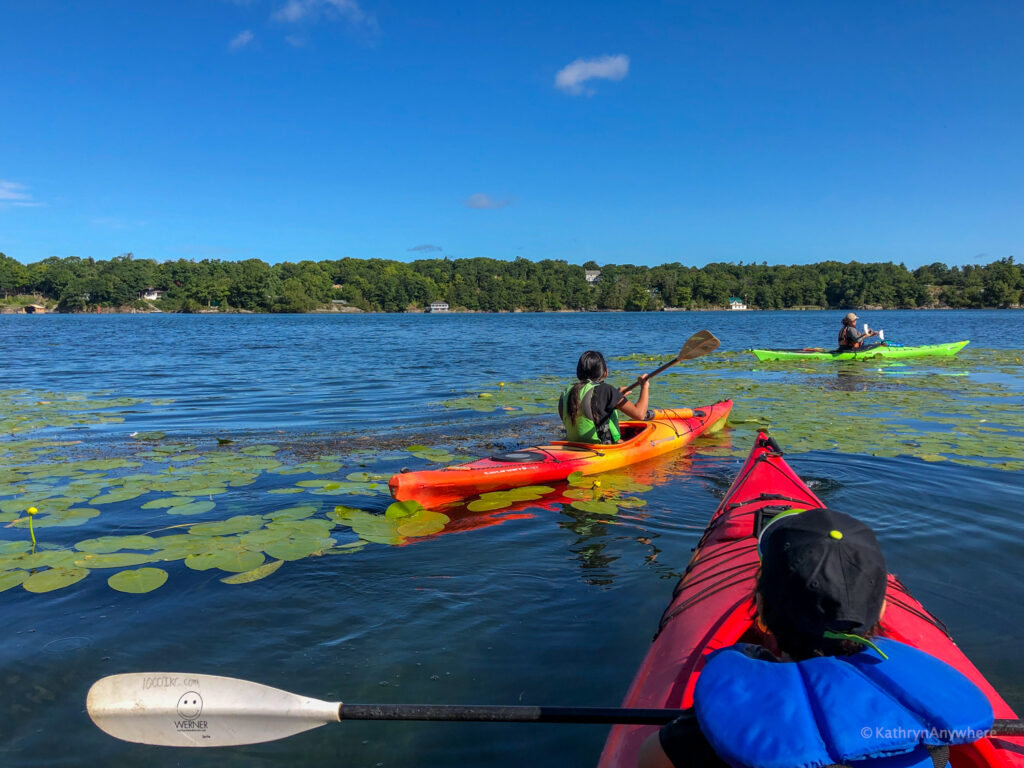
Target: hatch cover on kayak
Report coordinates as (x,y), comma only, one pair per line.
(520,456)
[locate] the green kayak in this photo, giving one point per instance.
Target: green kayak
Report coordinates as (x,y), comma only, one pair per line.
(889,351)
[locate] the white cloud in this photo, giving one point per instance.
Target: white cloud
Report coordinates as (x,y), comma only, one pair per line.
(484,202)
(295,11)
(241,40)
(14,194)
(426,248)
(572,76)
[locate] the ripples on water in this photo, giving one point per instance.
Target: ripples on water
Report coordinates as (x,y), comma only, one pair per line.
(548,607)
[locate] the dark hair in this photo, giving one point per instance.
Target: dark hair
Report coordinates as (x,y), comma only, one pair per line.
(590,367)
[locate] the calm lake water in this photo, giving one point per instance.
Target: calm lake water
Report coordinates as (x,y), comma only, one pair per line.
(549,607)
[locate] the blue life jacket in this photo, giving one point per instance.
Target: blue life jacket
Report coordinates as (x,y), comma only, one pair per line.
(837,709)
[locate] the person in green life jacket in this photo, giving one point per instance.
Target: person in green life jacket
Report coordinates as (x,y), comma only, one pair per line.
(831,692)
(589,408)
(849,339)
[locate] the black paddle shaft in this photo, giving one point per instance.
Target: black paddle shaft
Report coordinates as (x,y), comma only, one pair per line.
(485,713)
(509,714)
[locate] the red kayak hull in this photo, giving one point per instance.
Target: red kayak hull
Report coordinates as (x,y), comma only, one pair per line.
(712,607)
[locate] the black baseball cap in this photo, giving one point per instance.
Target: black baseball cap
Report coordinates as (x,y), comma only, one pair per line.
(822,572)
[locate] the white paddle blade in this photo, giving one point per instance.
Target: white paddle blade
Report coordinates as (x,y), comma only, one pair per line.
(174,709)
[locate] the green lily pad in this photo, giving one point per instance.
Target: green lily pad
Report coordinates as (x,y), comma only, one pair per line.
(294,513)
(195,508)
(112,560)
(54,578)
(403,509)
(255,574)
(365,477)
(285,490)
(423,523)
(10,579)
(139,581)
(501,499)
(597,506)
(240,560)
(14,547)
(117,495)
(296,549)
(149,435)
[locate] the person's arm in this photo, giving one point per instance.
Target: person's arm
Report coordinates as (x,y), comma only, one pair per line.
(637,410)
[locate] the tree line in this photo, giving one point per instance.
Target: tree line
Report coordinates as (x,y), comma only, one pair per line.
(490,285)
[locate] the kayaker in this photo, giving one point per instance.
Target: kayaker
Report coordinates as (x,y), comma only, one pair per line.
(820,593)
(589,408)
(848,336)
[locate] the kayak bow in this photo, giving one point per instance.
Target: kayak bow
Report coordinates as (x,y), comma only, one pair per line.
(713,607)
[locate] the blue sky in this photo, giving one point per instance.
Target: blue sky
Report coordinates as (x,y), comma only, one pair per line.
(786,132)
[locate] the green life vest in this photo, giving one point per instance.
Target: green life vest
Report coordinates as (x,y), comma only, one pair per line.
(585,429)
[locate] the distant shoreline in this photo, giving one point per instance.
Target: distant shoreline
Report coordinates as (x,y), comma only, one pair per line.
(12,310)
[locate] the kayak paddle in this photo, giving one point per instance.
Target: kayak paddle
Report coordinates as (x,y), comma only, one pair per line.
(174,709)
(700,344)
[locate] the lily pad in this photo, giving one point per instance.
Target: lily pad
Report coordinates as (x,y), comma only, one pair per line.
(237,524)
(255,574)
(296,549)
(240,560)
(10,579)
(294,513)
(597,506)
(167,502)
(195,508)
(139,581)
(54,578)
(112,560)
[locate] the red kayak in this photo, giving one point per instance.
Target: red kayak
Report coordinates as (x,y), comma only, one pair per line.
(713,607)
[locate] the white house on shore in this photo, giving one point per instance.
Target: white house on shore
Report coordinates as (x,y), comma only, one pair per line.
(735,302)
(592,275)
(438,306)
(151,294)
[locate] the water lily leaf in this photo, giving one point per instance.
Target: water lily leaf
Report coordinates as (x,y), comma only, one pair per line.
(260,450)
(139,581)
(286,490)
(316,483)
(118,495)
(112,560)
(501,499)
(10,579)
(14,547)
(54,578)
(240,560)
(167,502)
(203,561)
(315,527)
(237,524)
(255,574)
(295,549)
(930,457)
(294,513)
(433,454)
(365,477)
(630,503)
(579,493)
(423,523)
(149,435)
(403,509)
(195,508)
(596,506)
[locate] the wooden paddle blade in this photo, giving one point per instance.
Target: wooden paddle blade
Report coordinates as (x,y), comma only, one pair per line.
(700,344)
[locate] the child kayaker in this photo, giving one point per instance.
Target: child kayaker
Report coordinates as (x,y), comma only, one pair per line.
(835,696)
(589,408)
(848,337)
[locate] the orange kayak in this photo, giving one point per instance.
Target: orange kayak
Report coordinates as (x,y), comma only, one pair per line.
(669,430)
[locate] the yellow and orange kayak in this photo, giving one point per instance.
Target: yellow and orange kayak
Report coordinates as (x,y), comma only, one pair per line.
(668,430)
